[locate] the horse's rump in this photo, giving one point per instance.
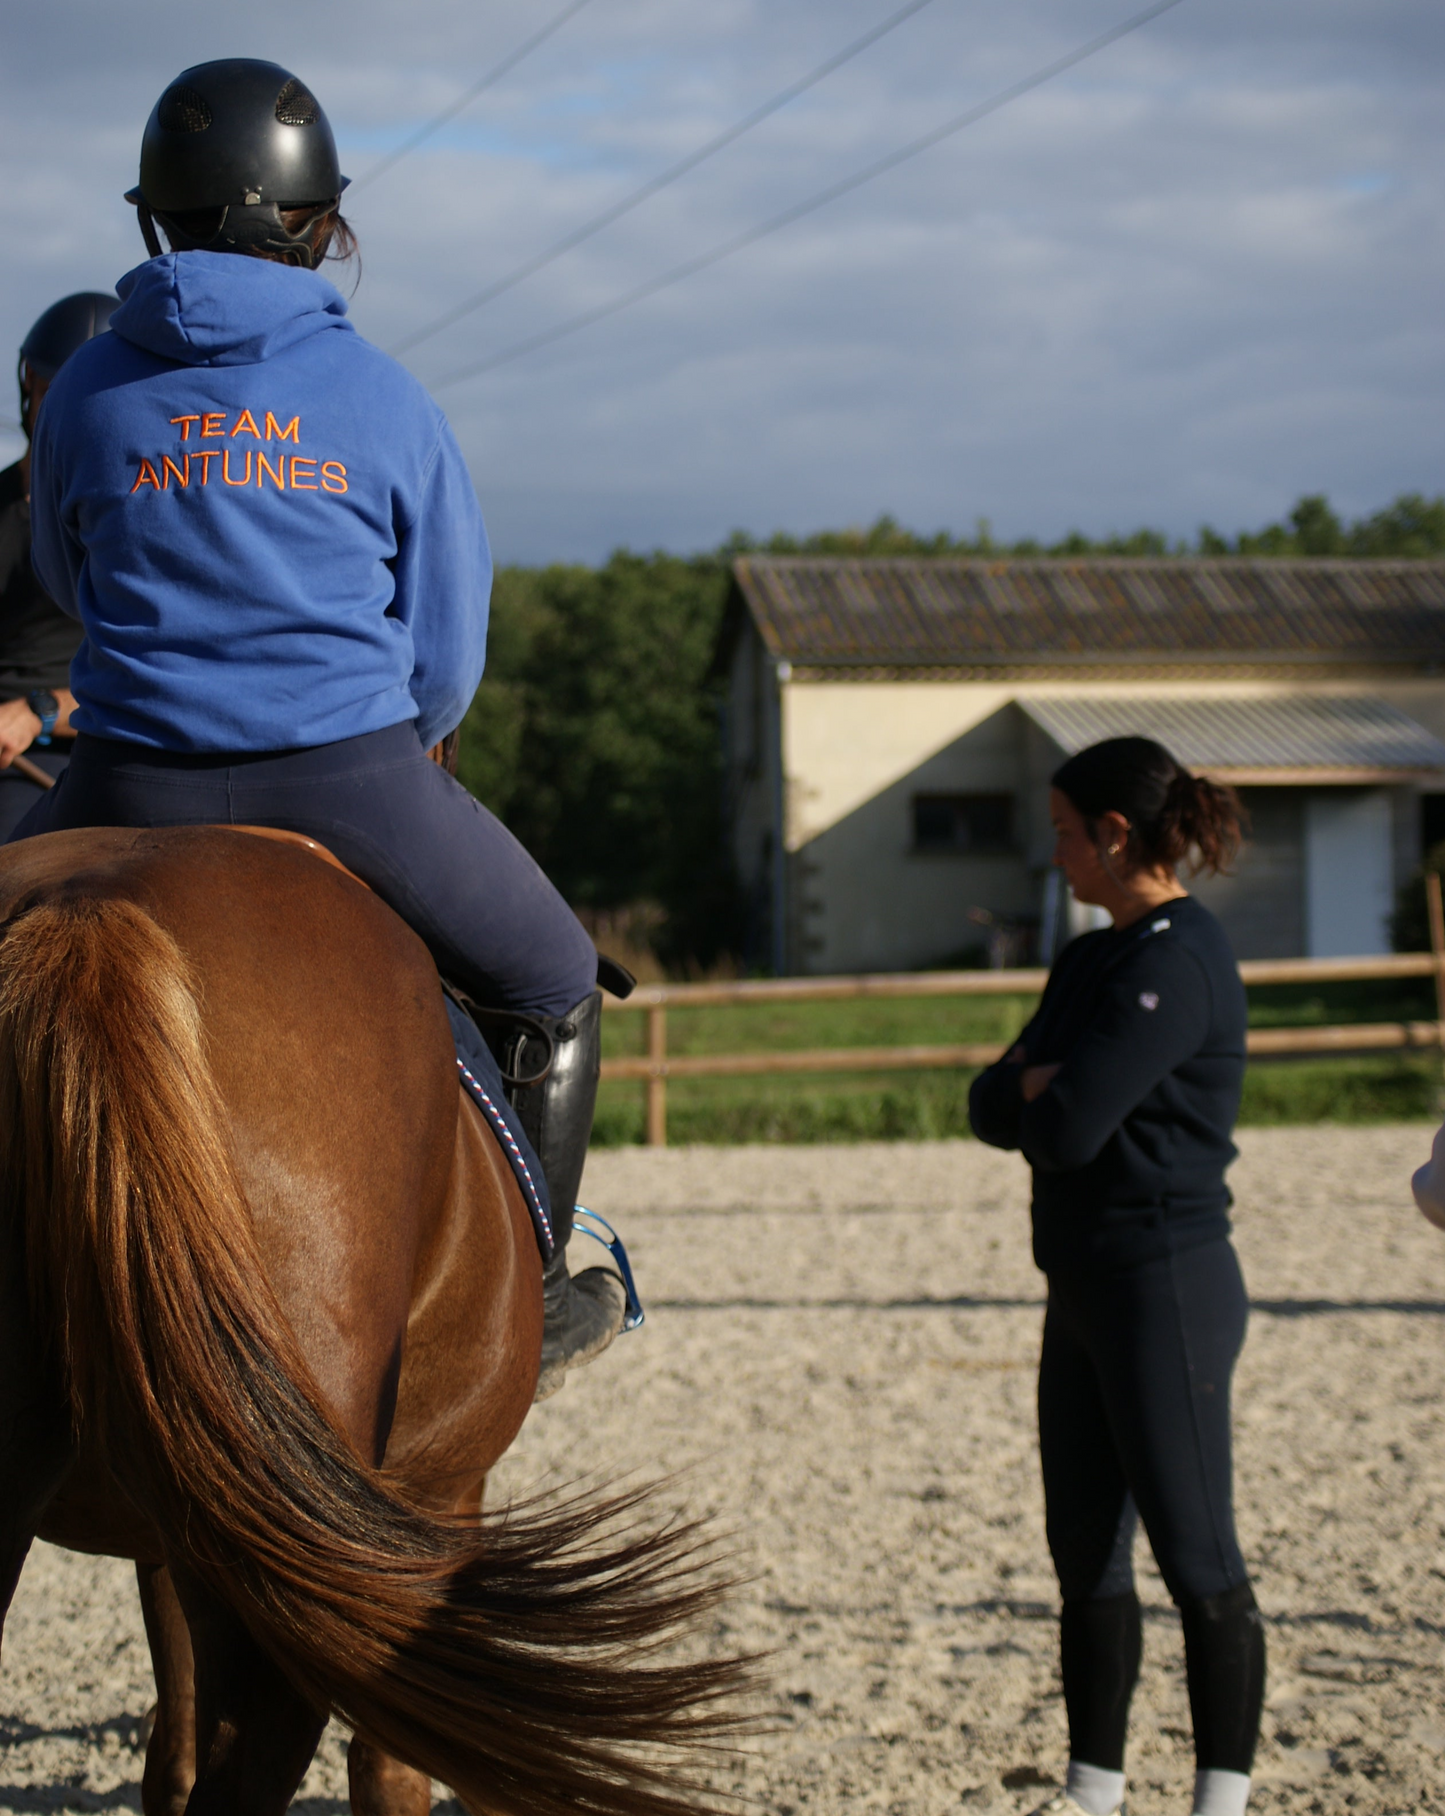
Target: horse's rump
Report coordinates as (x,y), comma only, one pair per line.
(235,1139)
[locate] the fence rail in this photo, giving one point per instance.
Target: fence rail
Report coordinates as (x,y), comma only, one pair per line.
(657,1065)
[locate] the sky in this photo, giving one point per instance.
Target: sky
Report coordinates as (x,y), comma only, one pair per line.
(1185,282)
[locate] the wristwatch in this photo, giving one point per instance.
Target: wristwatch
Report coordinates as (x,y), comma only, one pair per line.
(46,708)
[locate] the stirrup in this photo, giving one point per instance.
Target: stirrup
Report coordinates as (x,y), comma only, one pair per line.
(612,1242)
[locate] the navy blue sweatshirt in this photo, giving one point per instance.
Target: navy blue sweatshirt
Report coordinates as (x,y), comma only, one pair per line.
(1130,1142)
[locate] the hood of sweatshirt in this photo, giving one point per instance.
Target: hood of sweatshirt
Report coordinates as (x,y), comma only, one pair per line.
(222,309)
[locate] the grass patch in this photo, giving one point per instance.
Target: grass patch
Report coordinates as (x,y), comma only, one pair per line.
(1393,999)
(908,1106)
(1375,1089)
(788,1027)
(923,1106)
(933,1106)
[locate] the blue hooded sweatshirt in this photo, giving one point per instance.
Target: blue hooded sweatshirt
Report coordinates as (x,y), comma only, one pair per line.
(263,523)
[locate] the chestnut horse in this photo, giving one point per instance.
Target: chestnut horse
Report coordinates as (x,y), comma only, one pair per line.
(270,1309)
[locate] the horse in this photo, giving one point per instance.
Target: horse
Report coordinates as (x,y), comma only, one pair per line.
(270,1310)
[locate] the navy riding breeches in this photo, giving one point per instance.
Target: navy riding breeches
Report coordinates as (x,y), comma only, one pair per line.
(450,869)
(1134,1420)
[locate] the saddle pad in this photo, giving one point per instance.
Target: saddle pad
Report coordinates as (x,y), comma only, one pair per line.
(481,1080)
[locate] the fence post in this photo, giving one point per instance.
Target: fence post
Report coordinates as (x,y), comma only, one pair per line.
(1437,944)
(657,1081)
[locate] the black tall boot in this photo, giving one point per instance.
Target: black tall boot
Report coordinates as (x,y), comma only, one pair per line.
(582,1316)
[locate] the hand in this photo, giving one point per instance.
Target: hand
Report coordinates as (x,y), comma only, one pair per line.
(19,728)
(1426,1184)
(1037,1079)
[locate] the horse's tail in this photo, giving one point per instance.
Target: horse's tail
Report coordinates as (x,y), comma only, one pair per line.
(516,1660)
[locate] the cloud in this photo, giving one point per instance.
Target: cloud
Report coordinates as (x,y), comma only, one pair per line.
(1188,281)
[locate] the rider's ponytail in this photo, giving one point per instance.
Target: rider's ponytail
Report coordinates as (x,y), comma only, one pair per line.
(1171,813)
(322,234)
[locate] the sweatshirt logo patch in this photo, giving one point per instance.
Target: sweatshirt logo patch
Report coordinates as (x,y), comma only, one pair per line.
(298,473)
(1148,999)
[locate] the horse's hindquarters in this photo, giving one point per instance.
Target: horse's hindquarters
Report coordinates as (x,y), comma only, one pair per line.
(474,1342)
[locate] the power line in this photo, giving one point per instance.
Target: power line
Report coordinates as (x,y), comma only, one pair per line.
(796,213)
(505,67)
(671,175)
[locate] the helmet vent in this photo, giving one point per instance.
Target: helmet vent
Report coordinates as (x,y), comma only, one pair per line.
(181,109)
(296,106)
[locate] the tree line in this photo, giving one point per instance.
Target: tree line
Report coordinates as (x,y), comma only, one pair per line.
(595,733)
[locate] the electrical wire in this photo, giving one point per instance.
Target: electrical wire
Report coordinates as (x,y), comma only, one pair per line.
(657,183)
(493,76)
(691,267)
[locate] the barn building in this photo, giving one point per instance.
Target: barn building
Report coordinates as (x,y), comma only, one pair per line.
(890,727)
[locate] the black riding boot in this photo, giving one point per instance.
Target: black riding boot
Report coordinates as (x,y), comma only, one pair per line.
(582,1315)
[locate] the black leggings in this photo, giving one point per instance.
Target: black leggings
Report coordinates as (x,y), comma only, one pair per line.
(1134,1422)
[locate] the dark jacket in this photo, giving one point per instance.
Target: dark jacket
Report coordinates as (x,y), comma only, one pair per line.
(37,640)
(1130,1142)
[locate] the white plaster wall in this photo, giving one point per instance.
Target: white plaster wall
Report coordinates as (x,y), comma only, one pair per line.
(856,752)
(867,901)
(864,910)
(846,741)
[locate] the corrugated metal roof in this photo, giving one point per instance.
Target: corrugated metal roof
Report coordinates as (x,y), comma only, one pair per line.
(940,614)
(1289,733)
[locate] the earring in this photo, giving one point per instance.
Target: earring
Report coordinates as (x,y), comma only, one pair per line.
(1113,851)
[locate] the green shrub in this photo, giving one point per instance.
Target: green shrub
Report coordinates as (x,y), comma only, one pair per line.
(1410,923)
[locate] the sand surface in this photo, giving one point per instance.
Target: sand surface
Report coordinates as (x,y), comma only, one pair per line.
(840,1349)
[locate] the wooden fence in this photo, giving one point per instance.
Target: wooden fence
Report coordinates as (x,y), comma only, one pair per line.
(656,1066)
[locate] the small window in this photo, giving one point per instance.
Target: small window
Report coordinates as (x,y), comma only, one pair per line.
(974,822)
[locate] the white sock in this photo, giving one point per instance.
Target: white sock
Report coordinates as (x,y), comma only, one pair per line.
(1218,1793)
(1098,1791)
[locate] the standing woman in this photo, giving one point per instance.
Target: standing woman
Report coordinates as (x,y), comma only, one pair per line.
(1122,1094)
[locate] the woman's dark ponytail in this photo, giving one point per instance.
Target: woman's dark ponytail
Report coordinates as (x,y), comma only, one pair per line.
(1171,813)
(1198,816)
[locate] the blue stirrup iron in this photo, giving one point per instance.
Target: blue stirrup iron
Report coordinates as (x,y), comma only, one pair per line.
(612,1242)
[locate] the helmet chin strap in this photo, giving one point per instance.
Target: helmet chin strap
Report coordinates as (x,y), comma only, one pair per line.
(148,230)
(24,396)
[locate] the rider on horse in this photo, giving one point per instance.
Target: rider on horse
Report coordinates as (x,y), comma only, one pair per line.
(37,639)
(274,548)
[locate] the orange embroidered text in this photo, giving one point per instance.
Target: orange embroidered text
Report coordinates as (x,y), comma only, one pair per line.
(287,473)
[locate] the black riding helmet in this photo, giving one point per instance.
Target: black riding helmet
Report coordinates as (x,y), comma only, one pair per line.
(240,140)
(64,327)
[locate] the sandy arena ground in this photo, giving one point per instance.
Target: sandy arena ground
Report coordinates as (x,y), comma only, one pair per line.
(840,1347)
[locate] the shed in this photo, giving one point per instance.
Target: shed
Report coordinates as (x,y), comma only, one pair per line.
(891,726)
